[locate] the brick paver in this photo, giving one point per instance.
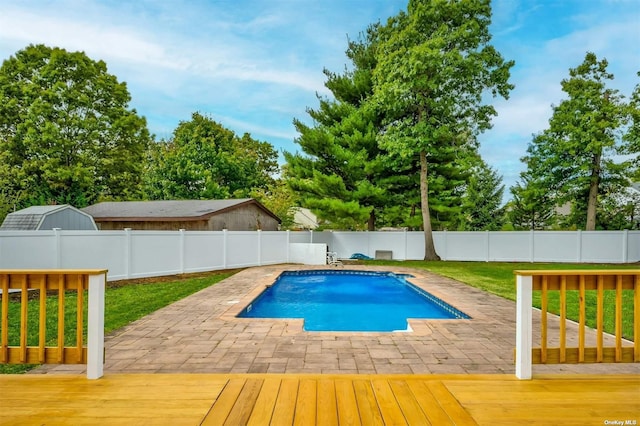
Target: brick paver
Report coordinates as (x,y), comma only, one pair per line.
(201,334)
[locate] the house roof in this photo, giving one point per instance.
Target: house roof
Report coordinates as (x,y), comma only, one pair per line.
(167,210)
(31,218)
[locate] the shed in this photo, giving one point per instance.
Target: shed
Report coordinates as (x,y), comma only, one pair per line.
(42,218)
(244,214)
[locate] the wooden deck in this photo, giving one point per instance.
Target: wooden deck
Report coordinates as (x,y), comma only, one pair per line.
(258,399)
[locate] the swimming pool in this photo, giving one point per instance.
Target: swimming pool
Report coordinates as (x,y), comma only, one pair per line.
(330,300)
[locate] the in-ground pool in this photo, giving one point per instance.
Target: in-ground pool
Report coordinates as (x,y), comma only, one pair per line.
(330,300)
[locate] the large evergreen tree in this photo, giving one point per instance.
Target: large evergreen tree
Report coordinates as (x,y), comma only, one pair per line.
(574,159)
(434,66)
(482,200)
(67,133)
(343,175)
(532,206)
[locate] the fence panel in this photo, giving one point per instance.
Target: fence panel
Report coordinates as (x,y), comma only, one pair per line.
(28,249)
(203,251)
(243,249)
(466,246)
(155,253)
(99,250)
(150,253)
(602,246)
(348,243)
(552,246)
(510,246)
(274,247)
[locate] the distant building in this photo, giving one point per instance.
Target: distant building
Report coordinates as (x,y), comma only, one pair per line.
(42,218)
(244,214)
(304,218)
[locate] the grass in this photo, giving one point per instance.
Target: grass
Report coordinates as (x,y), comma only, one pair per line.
(498,278)
(125,302)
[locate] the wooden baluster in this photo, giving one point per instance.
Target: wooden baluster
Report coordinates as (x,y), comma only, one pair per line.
(42,332)
(563,319)
(80,319)
(582,320)
(600,320)
(4,339)
(636,318)
(24,328)
(618,318)
(61,288)
(543,321)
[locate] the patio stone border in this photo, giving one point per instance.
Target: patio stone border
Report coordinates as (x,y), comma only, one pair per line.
(200,334)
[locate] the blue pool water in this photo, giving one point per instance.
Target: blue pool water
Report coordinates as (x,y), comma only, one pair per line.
(348,301)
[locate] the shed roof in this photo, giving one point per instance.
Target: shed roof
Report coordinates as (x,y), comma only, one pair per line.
(31,218)
(168,210)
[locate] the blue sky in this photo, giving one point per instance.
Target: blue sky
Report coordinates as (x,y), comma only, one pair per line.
(255,65)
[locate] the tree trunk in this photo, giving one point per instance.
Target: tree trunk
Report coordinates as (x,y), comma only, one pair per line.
(592,201)
(429,247)
(371,224)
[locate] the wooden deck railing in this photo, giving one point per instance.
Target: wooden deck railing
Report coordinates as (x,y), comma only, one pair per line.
(580,281)
(57,282)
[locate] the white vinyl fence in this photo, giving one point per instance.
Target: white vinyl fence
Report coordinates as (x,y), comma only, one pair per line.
(135,254)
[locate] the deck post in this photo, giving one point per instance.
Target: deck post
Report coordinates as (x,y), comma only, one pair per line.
(524,289)
(95,326)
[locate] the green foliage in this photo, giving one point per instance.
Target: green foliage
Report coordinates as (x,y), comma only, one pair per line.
(67,134)
(279,199)
(482,200)
(343,176)
(532,206)
(415,90)
(204,160)
(434,66)
(576,158)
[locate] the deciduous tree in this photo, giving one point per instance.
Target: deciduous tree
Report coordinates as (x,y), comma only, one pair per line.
(67,133)
(204,160)
(575,156)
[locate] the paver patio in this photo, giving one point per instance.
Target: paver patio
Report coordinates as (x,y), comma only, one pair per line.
(200,334)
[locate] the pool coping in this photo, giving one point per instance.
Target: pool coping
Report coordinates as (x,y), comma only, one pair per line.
(418,326)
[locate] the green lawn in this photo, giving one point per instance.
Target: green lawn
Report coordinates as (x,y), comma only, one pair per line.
(124,303)
(498,278)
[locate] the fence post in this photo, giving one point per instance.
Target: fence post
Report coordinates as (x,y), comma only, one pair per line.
(95,326)
(224,249)
(259,247)
(56,233)
(625,246)
(488,244)
(444,239)
(532,246)
(288,246)
(579,246)
(182,247)
(524,287)
(406,245)
(127,252)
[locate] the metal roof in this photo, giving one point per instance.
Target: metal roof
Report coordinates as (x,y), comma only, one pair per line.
(166,209)
(31,218)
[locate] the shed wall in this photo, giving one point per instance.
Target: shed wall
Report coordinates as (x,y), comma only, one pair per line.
(189,225)
(245,218)
(67,219)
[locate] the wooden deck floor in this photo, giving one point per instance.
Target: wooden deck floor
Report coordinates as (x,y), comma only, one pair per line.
(258,399)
